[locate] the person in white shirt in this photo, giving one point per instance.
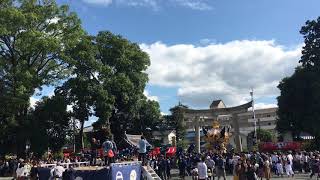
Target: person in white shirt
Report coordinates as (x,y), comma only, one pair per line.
(202,170)
(290,158)
(20,171)
(288,168)
(23,170)
(56,172)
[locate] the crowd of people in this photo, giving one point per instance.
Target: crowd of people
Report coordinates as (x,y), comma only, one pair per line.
(203,166)
(242,166)
(27,168)
(22,169)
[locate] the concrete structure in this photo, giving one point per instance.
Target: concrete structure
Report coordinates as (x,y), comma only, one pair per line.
(266,119)
(197,118)
(165,137)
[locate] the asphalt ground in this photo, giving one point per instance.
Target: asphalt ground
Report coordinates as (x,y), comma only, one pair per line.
(175,176)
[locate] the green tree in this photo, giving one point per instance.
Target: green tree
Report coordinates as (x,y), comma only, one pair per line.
(124,78)
(34,38)
(300,93)
(178,119)
(79,90)
(264,135)
(49,125)
(147,118)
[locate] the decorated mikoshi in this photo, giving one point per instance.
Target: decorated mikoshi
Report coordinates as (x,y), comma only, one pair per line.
(217,138)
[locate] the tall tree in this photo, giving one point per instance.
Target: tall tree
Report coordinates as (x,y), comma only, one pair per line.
(147,118)
(49,125)
(178,119)
(125,82)
(299,101)
(84,90)
(34,36)
(310,58)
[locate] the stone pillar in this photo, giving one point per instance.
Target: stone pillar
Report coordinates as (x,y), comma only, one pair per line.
(197,137)
(237,137)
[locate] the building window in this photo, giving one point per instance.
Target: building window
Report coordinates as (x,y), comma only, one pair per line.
(269,124)
(268,115)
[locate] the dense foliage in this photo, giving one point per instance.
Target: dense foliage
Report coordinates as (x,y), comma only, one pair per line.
(102,76)
(178,119)
(299,101)
(264,135)
(34,38)
(50,124)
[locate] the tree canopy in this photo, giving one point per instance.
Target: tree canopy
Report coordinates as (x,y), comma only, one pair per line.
(34,38)
(41,44)
(299,101)
(52,123)
(264,135)
(178,119)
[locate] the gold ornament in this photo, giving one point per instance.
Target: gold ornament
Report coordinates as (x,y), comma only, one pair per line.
(215,124)
(216,139)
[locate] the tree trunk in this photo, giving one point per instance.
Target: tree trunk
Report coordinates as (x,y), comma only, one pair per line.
(81,135)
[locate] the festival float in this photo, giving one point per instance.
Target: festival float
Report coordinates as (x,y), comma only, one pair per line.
(217,138)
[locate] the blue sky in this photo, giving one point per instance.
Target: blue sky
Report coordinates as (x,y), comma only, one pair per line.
(202,50)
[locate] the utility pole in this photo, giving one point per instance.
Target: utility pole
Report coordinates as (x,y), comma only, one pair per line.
(254,117)
(74,135)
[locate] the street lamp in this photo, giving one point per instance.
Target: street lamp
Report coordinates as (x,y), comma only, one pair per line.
(27,147)
(254,117)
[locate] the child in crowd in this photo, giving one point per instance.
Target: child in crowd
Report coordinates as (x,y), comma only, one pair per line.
(279,167)
(288,168)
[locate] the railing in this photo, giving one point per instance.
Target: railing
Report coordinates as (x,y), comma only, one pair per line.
(78,164)
(149,174)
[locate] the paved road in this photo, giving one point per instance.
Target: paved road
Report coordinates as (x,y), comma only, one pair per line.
(296,177)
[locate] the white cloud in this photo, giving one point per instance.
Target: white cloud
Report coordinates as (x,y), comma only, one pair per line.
(139,3)
(133,3)
(53,20)
(69,108)
(154,4)
(194,4)
(221,71)
(33,101)
(264,105)
(206,42)
(150,97)
(99,2)
(163,113)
